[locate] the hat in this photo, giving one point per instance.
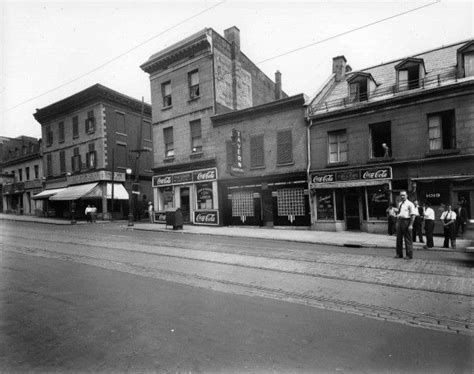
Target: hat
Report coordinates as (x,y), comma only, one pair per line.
(149,203)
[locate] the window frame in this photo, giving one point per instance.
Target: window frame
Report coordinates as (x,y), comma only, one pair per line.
(193,88)
(196,139)
(61,137)
(280,151)
(257,151)
(337,133)
(62,162)
(448,115)
(167,98)
(168,141)
(371,140)
(75,127)
(90,122)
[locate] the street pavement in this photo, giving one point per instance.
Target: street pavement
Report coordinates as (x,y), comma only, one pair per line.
(341,238)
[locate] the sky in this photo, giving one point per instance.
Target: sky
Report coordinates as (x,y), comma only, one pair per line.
(51,50)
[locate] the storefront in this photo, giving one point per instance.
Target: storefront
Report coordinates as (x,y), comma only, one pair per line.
(194,192)
(354,199)
(266,201)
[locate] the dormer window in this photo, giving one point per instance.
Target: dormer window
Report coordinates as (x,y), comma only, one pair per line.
(410,74)
(360,87)
(465,57)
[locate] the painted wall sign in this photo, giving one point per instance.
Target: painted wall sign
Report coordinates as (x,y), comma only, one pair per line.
(206,217)
(95,176)
(237,166)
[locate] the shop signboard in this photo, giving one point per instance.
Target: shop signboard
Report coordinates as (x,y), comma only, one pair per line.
(206,217)
(203,175)
(381,173)
(95,176)
(237,166)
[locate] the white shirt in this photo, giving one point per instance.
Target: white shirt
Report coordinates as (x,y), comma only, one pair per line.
(429,214)
(406,209)
(448,215)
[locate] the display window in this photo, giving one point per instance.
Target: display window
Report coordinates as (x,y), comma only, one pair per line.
(242,204)
(325,205)
(165,198)
(204,196)
(290,202)
(378,199)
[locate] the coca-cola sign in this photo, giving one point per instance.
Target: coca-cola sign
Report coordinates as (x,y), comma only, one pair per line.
(207,217)
(322,178)
(380,173)
(161,180)
(204,175)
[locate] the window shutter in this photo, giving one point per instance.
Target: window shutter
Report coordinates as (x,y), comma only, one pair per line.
(257,153)
(196,129)
(284,147)
(168,135)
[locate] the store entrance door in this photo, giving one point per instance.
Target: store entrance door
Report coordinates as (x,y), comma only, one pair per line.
(185,203)
(267,208)
(352,211)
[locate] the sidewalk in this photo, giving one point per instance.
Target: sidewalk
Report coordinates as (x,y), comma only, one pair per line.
(341,238)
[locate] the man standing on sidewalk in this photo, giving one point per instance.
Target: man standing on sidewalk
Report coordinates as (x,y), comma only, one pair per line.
(429,215)
(405,218)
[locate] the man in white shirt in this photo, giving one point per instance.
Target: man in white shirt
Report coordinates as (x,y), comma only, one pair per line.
(448,217)
(405,218)
(429,215)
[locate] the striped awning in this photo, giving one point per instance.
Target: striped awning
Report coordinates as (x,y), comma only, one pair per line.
(46,194)
(74,192)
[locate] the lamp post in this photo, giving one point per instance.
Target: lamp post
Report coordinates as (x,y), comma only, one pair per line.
(128,171)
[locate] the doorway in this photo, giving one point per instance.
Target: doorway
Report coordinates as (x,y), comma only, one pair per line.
(184,203)
(352,211)
(267,208)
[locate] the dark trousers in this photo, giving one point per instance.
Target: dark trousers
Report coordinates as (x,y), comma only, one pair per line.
(429,228)
(417,229)
(392,225)
(403,234)
(450,235)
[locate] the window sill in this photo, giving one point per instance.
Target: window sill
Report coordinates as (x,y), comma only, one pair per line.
(442,152)
(380,160)
(168,159)
(286,164)
(120,133)
(196,155)
(166,108)
(257,167)
(336,164)
(193,99)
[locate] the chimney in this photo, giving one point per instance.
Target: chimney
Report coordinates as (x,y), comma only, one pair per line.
(232,34)
(339,67)
(277,85)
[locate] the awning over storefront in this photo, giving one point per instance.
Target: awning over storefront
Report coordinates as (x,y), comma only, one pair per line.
(120,193)
(46,194)
(74,192)
(459,178)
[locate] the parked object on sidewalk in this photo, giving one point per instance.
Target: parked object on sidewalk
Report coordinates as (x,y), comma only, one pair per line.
(174,217)
(449,223)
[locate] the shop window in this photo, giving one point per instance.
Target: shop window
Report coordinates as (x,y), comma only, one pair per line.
(90,122)
(325,205)
(257,152)
(242,204)
(62,162)
(49,165)
(377,201)
(193,81)
(27,173)
(441,130)
(196,137)
(36,172)
(204,195)
(168,139)
(76,161)
(337,146)
(165,198)
(75,127)
(290,202)
(91,157)
(166,93)
(61,132)
(284,147)
(380,140)
(120,119)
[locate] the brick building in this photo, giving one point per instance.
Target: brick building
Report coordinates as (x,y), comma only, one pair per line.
(90,140)
(263,181)
(406,124)
(199,77)
(22,172)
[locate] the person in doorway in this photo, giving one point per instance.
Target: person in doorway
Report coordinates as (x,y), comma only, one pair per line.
(93,213)
(418,224)
(429,217)
(88,213)
(405,218)
(151,212)
(461,218)
(392,218)
(448,217)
